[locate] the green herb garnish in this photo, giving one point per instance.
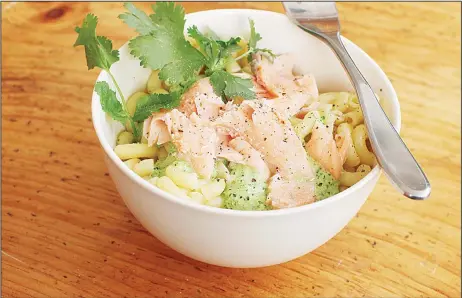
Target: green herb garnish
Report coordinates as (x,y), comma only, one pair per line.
(99,53)
(253,40)
(161,45)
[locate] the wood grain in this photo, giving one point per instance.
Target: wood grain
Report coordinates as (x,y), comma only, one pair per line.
(67,233)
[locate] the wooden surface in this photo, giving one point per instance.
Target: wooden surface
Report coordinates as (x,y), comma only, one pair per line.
(67,233)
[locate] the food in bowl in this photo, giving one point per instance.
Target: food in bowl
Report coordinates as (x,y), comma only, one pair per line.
(224,123)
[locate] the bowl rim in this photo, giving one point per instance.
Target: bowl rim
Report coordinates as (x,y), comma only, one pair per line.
(96,115)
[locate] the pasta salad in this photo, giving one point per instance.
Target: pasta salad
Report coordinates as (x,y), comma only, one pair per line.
(225,123)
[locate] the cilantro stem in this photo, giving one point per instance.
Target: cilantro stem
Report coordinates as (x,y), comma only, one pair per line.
(124,105)
(243,55)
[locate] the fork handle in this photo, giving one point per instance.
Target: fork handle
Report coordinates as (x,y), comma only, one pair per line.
(392,154)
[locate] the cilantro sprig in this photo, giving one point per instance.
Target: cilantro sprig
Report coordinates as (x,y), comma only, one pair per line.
(252,44)
(161,45)
(99,53)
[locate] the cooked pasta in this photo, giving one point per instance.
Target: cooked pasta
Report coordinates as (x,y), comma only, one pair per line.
(144,167)
(132,101)
(344,131)
(234,125)
(154,83)
(348,179)
(344,110)
(197,197)
(129,151)
(182,178)
(169,186)
(213,189)
(341,102)
(304,127)
(131,163)
(125,137)
(359,140)
(354,117)
(353,102)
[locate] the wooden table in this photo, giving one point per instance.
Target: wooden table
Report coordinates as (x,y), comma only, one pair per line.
(66,232)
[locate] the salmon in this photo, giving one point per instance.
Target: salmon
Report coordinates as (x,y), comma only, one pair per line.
(260,91)
(251,157)
(155,130)
(276,76)
(343,145)
(259,125)
(195,141)
(289,93)
(201,99)
(323,148)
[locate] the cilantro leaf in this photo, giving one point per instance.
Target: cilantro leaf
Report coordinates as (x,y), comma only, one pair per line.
(216,51)
(99,53)
(209,47)
(109,102)
(151,103)
(166,48)
(230,46)
(171,16)
(254,36)
(253,40)
(137,19)
(98,49)
(231,86)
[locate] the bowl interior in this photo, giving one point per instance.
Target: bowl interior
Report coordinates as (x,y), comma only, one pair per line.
(279,35)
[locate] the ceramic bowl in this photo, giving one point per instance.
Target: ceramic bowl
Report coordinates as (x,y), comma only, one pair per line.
(244,238)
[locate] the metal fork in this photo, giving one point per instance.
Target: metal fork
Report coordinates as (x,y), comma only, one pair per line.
(321,20)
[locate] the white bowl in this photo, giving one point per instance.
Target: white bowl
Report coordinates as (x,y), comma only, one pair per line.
(244,238)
